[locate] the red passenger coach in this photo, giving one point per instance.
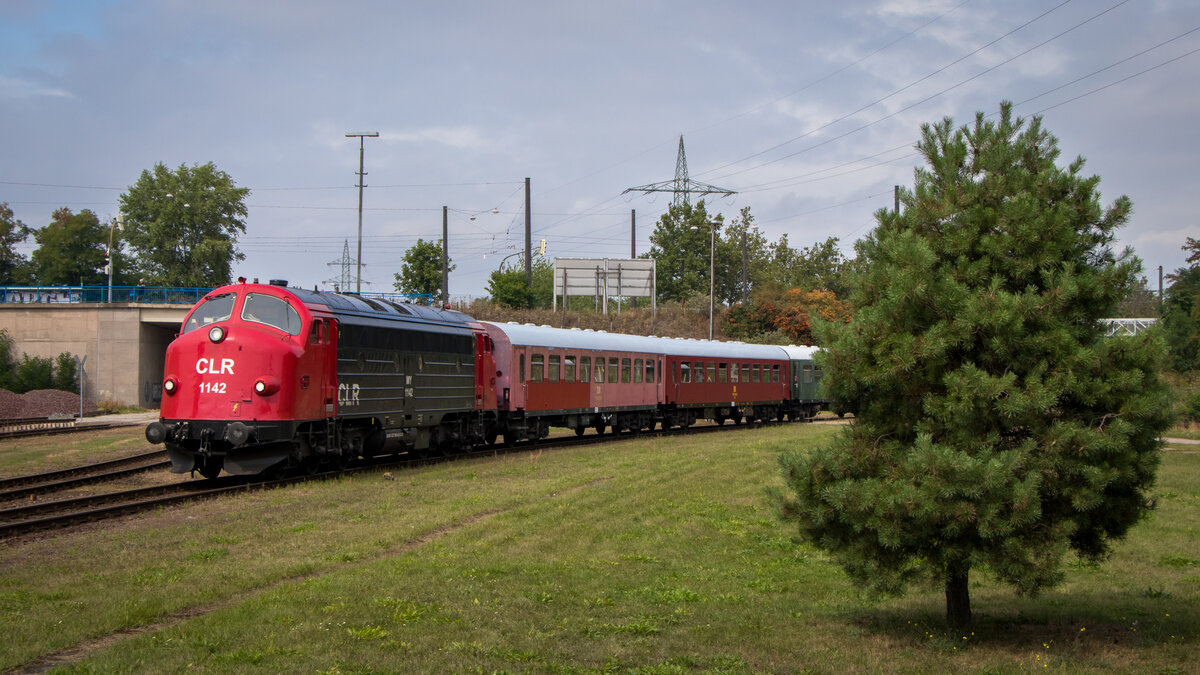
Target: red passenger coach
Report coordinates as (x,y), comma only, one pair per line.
(574,378)
(581,378)
(726,380)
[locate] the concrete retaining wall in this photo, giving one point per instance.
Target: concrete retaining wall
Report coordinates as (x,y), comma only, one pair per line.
(125,344)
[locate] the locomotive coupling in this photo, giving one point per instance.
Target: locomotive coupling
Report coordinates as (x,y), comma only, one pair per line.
(237,434)
(156,433)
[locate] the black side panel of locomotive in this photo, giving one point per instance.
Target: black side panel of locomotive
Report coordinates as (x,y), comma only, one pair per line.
(408,366)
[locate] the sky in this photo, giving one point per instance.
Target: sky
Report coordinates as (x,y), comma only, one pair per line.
(809,111)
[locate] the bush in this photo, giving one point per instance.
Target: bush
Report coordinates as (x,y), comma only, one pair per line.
(7,370)
(34,372)
(64,373)
(1190,413)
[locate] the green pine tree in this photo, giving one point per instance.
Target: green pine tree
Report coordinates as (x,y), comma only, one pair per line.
(996,428)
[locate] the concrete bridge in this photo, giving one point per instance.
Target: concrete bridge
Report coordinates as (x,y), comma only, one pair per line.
(125,343)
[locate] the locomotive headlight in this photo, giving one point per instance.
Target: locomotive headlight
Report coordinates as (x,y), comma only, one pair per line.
(266,386)
(216,334)
(169,385)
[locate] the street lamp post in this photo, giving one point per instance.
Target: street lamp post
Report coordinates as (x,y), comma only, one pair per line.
(360,135)
(119,224)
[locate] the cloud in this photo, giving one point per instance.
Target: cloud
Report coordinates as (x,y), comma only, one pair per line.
(13,88)
(460,137)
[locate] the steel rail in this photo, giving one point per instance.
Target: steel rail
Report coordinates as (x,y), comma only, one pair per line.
(50,477)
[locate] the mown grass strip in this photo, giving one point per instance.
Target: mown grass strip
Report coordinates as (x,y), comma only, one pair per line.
(650,555)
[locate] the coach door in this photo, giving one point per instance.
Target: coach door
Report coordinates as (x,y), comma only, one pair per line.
(485,373)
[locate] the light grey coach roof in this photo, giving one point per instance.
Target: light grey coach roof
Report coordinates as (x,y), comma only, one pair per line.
(574,338)
(804,353)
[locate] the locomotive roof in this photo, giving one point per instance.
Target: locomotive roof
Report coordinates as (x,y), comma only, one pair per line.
(350,302)
(574,338)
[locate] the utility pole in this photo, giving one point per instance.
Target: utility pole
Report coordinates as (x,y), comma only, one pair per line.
(360,135)
(632,233)
(896,199)
(528,240)
(445,257)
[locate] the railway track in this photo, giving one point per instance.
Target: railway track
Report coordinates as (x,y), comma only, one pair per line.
(41,426)
(21,487)
(58,514)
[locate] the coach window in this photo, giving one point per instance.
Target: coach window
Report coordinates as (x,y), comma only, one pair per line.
(746,373)
(585,369)
(555,368)
(698,372)
(637,371)
(817,374)
(808,374)
(775,373)
(625,374)
(537,365)
(599,372)
(614,371)
(521,369)
(569,368)
(733,372)
(649,370)
(712,373)
(686,375)
(722,372)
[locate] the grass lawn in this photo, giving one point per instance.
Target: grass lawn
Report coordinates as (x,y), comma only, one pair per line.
(647,556)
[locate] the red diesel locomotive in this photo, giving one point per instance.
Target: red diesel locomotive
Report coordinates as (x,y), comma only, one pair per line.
(264,377)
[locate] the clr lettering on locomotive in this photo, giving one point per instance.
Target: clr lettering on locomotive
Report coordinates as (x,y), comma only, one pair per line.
(209,367)
(347,394)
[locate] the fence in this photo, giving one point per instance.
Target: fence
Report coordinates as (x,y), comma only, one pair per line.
(143,294)
(101,294)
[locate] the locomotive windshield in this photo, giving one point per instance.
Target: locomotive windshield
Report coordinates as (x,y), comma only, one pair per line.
(214,309)
(272,311)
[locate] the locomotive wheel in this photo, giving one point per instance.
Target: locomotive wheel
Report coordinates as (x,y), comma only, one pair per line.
(490,438)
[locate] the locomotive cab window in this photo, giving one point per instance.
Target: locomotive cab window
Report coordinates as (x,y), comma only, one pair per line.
(212,310)
(271,311)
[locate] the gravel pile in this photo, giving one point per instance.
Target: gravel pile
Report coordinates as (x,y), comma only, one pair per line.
(39,403)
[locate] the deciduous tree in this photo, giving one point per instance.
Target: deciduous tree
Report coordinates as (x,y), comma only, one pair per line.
(997,428)
(13,265)
(1181,311)
(182,225)
(71,250)
(421,269)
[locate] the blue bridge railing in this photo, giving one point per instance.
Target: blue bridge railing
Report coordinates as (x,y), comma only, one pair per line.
(144,294)
(101,294)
